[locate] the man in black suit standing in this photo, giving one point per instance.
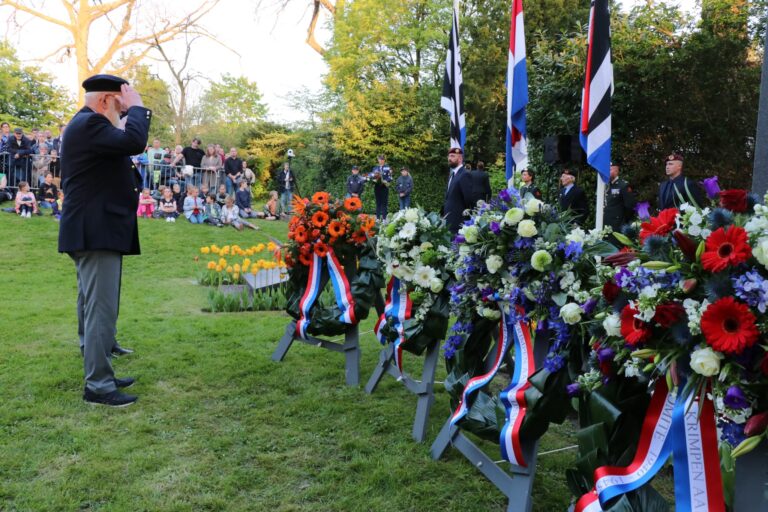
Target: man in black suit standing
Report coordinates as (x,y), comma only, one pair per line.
(481,184)
(572,197)
(98,225)
(459,194)
(678,188)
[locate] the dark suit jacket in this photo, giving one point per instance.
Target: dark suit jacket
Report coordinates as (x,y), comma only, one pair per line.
(673,193)
(481,186)
(576,201)
(458,197)
(101,186)
(23,150)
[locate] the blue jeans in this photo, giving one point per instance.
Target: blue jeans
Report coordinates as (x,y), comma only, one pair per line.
(405,202)
(196,218)
(285,200)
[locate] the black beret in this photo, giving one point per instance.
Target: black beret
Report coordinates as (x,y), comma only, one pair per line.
(103,83)
(455,151)
(617,162)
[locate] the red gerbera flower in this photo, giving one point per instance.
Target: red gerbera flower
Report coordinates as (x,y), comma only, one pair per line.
(660,225)
(729,326)
(734,200)
(668,314)
(724,248)
(633,329)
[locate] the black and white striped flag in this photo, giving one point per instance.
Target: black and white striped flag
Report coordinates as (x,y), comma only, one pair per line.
(453,86)
(595,128)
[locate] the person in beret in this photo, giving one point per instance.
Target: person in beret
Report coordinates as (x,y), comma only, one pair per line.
(355,183)
(98,224)
(572,197)
(620,200)
(678,189)
(381,177)
(459,194)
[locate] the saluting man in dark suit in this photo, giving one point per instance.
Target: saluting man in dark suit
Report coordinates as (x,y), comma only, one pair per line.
(98,224)
(459,194)
(572,197)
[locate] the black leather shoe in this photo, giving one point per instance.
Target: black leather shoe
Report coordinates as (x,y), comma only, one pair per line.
(124,383)
(113,399)
(118,351)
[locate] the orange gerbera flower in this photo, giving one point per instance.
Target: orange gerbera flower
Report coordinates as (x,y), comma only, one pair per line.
(300,234)
(321,249)
(298,205)
(336,229)
(353,204)
(320,219)
(305,259)
(321,198)
(359,237)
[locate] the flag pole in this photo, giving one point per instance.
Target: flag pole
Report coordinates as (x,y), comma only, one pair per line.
(599,202)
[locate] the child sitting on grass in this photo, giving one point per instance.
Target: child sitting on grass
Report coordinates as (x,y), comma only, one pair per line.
(243,201)
(221,196)
(230,215)
(146,205)
(272,208)
(26,204)
(168,206)
(193,206)
(48,195)
(212,214)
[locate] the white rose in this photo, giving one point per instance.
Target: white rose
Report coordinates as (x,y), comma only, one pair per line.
(706,361)
(494,263)
(415,252)
(407,231)
(411,215)
(469,233)
(527,228)
(577,235)
(436,285)
(532,207)
(490,313)
(571,313)
(612,325)
(513,216)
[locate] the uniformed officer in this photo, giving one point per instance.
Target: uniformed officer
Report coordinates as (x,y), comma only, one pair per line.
(98,225)
(678,189)
(381,176)
(526,176)
(620,200)
(355,183)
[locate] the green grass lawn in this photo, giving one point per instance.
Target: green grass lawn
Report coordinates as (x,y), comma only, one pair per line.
(218,425)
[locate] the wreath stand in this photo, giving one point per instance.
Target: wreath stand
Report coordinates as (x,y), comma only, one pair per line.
(423,388)
(517,482)
(751,490)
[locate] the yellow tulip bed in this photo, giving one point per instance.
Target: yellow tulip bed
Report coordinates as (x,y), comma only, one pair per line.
(230,263)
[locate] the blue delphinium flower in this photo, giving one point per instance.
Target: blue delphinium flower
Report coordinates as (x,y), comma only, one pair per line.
(732,433)
(752,288)
(452,344)
(573,250)
(554,363)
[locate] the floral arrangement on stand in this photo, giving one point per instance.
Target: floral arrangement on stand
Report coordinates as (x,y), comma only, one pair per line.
(414,247)
(330,240)
(221,271)
(521,264)
(685,308)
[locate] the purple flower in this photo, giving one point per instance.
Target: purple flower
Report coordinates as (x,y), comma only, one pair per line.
(573,390)
(459,239)
(495,227)
(731,432)
(711,187)
(643,210)
(605,354)
(505,196)
(554,363)
(735,399)
(573,250)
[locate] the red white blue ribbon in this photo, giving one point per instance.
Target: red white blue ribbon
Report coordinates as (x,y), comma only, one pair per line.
(672,426)
(397,307)
(478,382)
(341,289)
(513,397)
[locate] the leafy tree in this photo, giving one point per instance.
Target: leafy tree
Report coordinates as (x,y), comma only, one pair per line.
(28,97)
(232,100)
(156,97)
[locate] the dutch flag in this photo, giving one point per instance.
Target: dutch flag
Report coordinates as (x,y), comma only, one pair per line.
(517,94)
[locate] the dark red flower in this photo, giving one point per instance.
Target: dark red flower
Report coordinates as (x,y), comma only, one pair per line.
(668,314)
(756,425)
(620,259)
(729,326)
(686,245)
(734,200)
(724,248)
(659,225)
(610,291)
(634,330)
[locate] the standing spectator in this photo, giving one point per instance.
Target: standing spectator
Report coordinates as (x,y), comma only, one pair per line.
(233,169)
(481,184)
(248,175)
(58,140)
(220,152)
(42,140)
(140,163)
(48,195)
(620,200)
(355,183)
(155,158)
(678,189)
(19,149)
(527,175)
(193,155)
(5,194)
(177,164)
(5,136)
(458,194)
(194,207)
(404,187)
(243,201)
(210,164)
(572,197)
(286,182)
(381,176)
(40,165)
(26,204)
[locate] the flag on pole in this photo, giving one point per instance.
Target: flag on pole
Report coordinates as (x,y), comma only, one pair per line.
(517,93)
(452,99)
(595,127)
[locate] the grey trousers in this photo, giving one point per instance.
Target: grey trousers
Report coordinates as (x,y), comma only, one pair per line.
(81,310)
(98,280)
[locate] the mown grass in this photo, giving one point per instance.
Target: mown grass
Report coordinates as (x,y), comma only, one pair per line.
(218,426)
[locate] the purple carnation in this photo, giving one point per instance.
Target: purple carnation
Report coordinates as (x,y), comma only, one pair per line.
(643,210)
(711,186)
(605,354)
(495,227)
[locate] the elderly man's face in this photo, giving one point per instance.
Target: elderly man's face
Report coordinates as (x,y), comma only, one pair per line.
(18,135)
(673,168)
(566,179)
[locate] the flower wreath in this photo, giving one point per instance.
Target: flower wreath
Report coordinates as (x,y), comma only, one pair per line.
(414,248)
(330,240)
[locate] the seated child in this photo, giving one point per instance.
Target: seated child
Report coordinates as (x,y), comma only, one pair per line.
(204,191)
(178,198)
(243,201)
(48,195)
(60,200)
(221,196)
(26,204)
(193,206)
(272,208)
(168,206)
(146,204)
(230,215)
(212,211)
